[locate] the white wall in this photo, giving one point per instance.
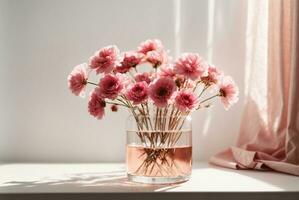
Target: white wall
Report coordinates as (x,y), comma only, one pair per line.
(41,41)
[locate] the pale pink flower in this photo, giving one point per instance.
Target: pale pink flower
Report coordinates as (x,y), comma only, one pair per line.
(137,92)
(104,60)
(77,79)
(156,58)
(213,77)
(143,77)
(161,90)
(129,60)
(153,52)
(228,91)
(191,66)
(110,86)
(150,45)
(185,100)
(96,105)
(166,72)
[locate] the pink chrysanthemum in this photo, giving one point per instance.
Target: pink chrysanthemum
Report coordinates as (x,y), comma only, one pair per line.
(104,60)
(96,106)
(185,101)
(191,66)
(228,91)
(143,77)
(156,58)
(214,75)
(161,90)
(129,60)
(137,92)
(150,45)
(77,80)
(110,86)
(167,72)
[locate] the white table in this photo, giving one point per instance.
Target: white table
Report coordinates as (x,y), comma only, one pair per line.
(98,180)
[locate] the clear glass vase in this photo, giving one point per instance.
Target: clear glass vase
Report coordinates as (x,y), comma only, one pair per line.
(159,149)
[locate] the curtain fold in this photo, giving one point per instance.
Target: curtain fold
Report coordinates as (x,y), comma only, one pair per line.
(269,132)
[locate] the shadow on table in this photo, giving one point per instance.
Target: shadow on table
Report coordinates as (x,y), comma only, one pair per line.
(114,181)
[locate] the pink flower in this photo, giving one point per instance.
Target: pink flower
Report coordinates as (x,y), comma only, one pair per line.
(161,90)
(143,77)
(104,60)
(191,66)
(213,76)
(156,58)
(150,45)
(137,92)
(166,72)
(110,86)
(129,60)
(122,69)
(228,92)
(153,52)
(96,106)
(77,80)
(185,101)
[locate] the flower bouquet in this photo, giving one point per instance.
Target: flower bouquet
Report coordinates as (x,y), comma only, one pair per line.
(160,95)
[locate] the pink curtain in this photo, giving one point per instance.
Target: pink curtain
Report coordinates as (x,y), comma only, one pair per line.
(269,132)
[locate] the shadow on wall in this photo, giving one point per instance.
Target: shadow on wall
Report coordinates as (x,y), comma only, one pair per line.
(215,129)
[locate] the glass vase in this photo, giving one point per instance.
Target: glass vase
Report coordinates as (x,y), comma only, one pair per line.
(159,149)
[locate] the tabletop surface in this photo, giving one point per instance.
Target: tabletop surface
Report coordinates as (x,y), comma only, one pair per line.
(111,177)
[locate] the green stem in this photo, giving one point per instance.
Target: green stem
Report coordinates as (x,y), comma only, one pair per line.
(91,83)
(197,83)
(216,95)
(113,103)
(204,89)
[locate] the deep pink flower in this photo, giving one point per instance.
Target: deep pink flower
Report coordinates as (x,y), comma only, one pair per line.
(104,60)
(77,80)
(96,106)
(150,45)
(122,69)
(161,90)
(129,59)
(137,92)
(191,66)
(143,77)
(214,75)
(228,91)
(110,86)
(167,72)
(185,101)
